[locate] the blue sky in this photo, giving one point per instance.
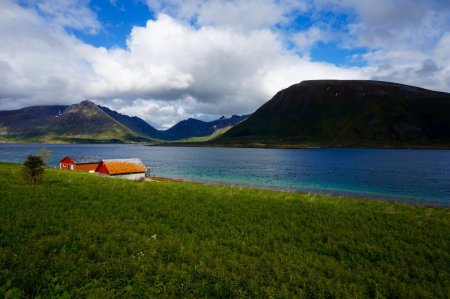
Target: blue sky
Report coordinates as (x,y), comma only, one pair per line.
(119,17)
(168,60)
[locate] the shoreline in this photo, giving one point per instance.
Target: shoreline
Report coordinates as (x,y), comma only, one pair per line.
(251,145)
(184,238)
(335,193)
(297,146)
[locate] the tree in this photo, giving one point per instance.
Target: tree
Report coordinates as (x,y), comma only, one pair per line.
(33,169)
(45,155)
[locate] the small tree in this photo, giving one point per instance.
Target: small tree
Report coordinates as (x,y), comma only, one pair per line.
(33,169)
(45,155)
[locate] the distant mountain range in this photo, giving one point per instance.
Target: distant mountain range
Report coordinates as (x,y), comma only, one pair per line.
(88,123)
(322,113)
(185,129)
(347,113)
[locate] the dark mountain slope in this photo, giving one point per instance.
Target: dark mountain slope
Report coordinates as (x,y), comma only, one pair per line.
(197,128)
(87,122)
(226,122)
(83,122)
(347,113)
(29,120)
(188,128)
(134,123)
(85,118)
(184,129)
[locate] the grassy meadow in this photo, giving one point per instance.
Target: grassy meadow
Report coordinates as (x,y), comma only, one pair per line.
(79,235)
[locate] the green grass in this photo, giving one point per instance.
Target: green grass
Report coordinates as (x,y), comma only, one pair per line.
(79,235)
(90,139)
(213,136)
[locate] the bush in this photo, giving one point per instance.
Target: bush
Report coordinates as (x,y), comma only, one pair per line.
(33,169)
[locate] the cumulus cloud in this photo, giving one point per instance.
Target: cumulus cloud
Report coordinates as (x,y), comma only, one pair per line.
(170,70)
(404,38)
(205,59)
(39,62)
(75,14)
(399,24)
(305,40)
(219,70)
(164,114)
(241,15)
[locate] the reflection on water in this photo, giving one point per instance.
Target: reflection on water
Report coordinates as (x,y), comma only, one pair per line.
(421,176)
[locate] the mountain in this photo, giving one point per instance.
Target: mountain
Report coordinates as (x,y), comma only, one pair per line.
(185,129)
(88,123)
(29,120)
(134,123)
(83,122)
(347,113)
(196,128)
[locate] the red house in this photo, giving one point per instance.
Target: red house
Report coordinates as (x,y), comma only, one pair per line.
(84,163)
(132,169)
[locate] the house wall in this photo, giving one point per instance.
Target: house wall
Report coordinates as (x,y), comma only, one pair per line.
(85,167)
(131,176)
(101,168)
(65,165)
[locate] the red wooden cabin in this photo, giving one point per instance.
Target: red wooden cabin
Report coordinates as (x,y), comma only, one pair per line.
(79,163)
(132,169)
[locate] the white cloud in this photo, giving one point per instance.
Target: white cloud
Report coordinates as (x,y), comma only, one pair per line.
(160,114)
(306,39)
(172,68)
(226,66)
(40,61)
(404,38)
(245,15)
(179,9)
(229,72)
(241,15)
(230,61)
(399,24)
(75,14)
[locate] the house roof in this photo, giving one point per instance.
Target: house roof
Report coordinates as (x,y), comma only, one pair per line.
(84,159)
(124,166)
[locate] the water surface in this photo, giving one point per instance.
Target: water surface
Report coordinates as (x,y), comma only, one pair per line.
(415,176)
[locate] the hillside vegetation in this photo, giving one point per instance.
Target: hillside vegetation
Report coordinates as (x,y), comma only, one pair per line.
(79,235)
(79,123)
(347,113)
(87,122)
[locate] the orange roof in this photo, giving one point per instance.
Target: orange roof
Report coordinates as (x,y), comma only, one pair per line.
(123,167)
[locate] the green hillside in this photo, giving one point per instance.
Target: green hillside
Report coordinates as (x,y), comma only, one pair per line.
(216,134)
(78,235)
(348,113)
(87,122)
(79,123)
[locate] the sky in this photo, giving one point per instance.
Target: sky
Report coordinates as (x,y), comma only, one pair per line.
(166,61)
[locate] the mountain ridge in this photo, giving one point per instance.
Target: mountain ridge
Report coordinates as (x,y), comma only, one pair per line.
(347,113)
(313,113)
(87,122)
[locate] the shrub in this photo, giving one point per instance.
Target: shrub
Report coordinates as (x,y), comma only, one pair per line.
(33,169)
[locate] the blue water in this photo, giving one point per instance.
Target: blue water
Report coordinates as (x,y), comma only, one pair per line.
(415,176)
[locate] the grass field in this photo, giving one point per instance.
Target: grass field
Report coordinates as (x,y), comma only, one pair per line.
(79,235)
